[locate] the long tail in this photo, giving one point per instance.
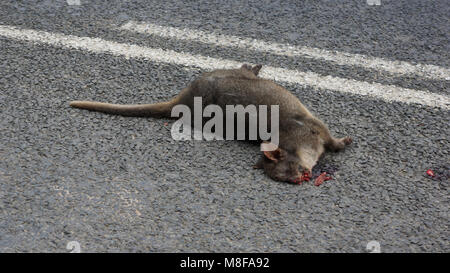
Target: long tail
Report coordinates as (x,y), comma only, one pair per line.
(162,109)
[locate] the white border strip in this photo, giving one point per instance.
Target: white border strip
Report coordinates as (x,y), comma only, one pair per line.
(341,58)
(96,45)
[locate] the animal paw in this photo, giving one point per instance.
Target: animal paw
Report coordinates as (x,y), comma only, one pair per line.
(347,140)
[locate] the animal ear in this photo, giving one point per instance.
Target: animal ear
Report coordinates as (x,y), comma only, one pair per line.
(275,155)
(256,69)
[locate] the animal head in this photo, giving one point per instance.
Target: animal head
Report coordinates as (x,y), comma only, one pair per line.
(281,165)
(292,161)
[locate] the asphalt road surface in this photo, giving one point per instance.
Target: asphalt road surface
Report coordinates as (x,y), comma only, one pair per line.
(378,73)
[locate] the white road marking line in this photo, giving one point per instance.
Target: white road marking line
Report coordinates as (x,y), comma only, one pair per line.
(341,58)
(96,45)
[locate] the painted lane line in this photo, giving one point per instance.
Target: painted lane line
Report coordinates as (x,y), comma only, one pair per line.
(388,93)
(341,58)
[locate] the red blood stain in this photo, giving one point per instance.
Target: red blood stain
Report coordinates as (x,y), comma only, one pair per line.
(299,179)
(321,178)
(306,176)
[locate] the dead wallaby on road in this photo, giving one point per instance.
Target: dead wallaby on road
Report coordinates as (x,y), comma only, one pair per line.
(302,137)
